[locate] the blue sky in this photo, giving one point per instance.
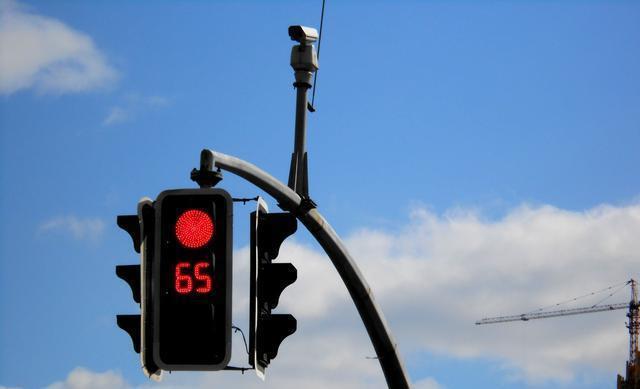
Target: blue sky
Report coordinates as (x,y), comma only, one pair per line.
(479,159)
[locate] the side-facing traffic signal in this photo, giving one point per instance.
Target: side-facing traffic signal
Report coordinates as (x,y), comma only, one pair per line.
(140,326)
(192,279)
(268,280)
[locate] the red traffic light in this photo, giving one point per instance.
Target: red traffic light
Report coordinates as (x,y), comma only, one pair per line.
(194,228)
(191,284)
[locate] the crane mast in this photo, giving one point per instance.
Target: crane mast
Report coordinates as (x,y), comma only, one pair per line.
(632,380)
(634,324)
(633,370)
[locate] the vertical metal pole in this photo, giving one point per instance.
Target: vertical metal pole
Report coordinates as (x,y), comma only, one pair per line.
(298,173)
(304,62)
(299,146)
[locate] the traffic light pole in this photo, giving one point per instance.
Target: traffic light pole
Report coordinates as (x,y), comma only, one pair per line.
(370,313)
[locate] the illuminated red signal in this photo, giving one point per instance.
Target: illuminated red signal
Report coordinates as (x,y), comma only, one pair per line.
(194,228)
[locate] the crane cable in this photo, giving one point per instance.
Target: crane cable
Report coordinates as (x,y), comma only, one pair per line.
(619,286)
(610,295)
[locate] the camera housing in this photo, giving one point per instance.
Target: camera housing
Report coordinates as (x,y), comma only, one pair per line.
(302,34)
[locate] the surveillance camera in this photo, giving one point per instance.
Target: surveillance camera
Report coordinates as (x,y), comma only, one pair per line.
(302,34)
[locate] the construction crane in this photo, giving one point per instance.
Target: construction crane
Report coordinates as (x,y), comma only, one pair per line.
(632,380)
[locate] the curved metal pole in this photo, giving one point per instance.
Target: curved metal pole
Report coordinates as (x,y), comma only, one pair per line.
(370,313)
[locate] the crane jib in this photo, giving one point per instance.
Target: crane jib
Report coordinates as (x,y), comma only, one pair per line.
(562,312)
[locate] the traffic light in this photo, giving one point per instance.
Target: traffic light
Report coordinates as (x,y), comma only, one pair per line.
(192,279)
(268,280)
(140,326)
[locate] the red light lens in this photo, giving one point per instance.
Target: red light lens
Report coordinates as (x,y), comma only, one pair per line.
(194,229)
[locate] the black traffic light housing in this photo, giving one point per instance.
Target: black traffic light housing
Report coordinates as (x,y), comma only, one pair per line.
(268,280)
(141,228)
(192,279)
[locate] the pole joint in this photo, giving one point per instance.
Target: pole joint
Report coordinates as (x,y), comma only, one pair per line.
(206,177)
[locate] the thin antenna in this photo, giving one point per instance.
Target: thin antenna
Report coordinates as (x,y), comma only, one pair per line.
(311,107)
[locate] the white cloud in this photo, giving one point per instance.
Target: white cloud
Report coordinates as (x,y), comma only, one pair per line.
(438,275)
(132,105)
(90,229)
(81,378)
(116,115)
(427,383)
(45,54)
(433,279)
(155,101)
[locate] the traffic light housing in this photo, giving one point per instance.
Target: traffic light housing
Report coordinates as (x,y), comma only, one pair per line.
(267,281)
(141,228)
(192,279)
